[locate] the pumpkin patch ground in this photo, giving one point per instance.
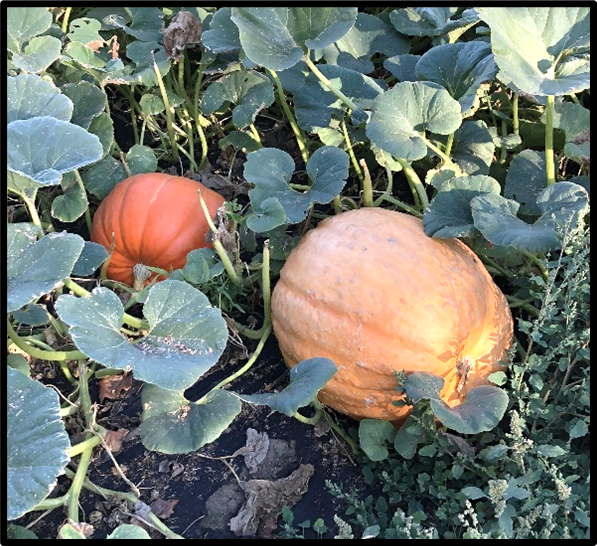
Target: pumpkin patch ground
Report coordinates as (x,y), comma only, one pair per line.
(298,273)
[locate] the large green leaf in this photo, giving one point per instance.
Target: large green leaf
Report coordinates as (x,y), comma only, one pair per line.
(449,214)
(526,178)
(481,410)
(461,68)
(30,96)
(316,106)
(85,30)
(403,67)
(72,203)
(35,269)
(92,256)
(145,24)
(222,34)
(88,99)
(472,147)
(368,36)
(271,169)
(44,148)
(100,178)
(495,217)
(23,23)
(186,335)
(400,115)
(423,21)
(39,53)
(373,437)
(278,38)
(36,442)
(541,50)
(171,424)
(307,378)
(250,91)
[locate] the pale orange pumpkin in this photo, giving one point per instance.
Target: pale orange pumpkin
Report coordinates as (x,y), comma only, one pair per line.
(371,291)
(156,219)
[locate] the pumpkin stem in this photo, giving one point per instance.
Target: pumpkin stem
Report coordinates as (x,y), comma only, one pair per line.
(140,274)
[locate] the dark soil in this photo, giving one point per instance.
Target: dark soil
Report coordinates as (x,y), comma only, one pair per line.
(197,494)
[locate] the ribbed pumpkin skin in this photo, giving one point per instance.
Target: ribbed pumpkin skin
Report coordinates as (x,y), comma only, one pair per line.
(369,290)
(156,219)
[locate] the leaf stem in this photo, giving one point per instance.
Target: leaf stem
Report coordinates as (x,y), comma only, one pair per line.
(30,202)
(328,83)
(415,181)
(350,151)
(54,356)
(255,133)
(515,120)
(168,111)
(300,138)
(87,212)
(367,186)
(218,247)
(549,159)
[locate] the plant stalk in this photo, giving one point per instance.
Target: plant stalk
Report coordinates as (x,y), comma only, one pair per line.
(549,159)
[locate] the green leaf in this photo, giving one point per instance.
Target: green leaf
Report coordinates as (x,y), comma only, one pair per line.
(18,532)
(36,442)
(171,424)
(422,385)
(239,140)
(85,56)
(103,176)
(92,256)
(45,148)
(572,118)
(578,430)
(186,335)
(525,180)
(141,159)
(373,437)
(550,451)
(38,54)
(71,204)
(103,128)
(368,36)
(222,34)
(129,531)
(403,67)
(460,68)
(30,96)
(250,91)
(513,491)
(143,54)
(481,411)
(88,99)
(201,266)
(474,493)
(32,315)
(268,215)
(316,106)
(495,217)
(146,24)
(408,109)
(421,21)
(19,363)
(23,23)
(36,269)
(270,170)
(85,30)
(307,378)
(408,437)
(278,38)
(534,50)
(472,147)
(449,214)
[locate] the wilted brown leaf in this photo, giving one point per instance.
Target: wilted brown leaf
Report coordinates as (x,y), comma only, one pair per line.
(184,29)
(113,386)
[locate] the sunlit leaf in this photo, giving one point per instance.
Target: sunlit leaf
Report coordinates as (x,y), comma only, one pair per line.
(307,378)
(44,148)
(271,169)
(39,53)
(279,37)
(37,268)
(534,49)
(186,335)
(400,115)
(368,36)
(171,424)
(23,23)
(36,442)
(30,96)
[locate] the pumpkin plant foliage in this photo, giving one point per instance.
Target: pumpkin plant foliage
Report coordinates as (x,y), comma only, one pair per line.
(393,192)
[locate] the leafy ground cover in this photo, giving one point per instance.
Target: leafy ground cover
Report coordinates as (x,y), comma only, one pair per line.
(168,411)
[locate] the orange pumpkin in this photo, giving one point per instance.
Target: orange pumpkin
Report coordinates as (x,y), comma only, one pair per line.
(371,291)
(156,220)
